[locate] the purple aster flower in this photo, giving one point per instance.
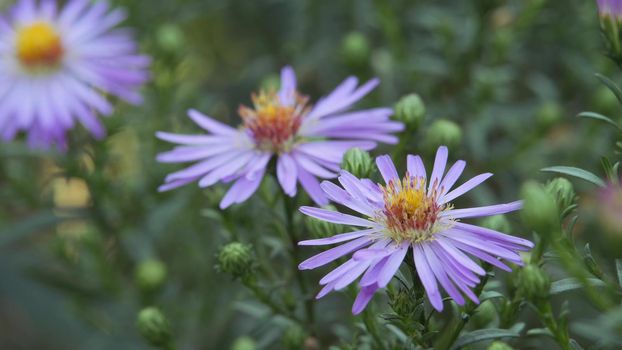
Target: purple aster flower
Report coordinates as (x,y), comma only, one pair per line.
(414,213)
(308,141)
(56,64)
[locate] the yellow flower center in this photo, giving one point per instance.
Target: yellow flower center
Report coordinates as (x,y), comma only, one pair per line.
(39,46)
(411,213)
(273,125)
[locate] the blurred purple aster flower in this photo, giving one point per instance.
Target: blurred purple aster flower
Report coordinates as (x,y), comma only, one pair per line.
(56,64)
(609,8)
(413,213)
(308,141)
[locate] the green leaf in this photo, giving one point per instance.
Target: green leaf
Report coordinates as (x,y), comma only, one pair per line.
(490,294)
(619,270)
(571,283)
(484,334)
(33,224)
(576,172)
(611,85)
(535,332)
(593,115)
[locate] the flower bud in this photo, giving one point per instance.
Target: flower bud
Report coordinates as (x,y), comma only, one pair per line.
(153,326)
(540,211)
(499,345)
(244,343)
(562,190)
(548,114)
(294,338)
(355,49)
(443,132)
(410,110)
(533,283)
(150,274)
(357,162)
(485,314)
(170,37)
(236,259)
(497,223)
(610,13)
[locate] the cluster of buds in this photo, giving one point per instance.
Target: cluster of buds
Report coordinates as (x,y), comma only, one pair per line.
(610,12)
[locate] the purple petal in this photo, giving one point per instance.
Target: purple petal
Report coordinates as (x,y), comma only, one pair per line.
(393,264)
(439,168)
(452,176)
(333,254)
(363,298)
(287,94)
(483,211)
(210,124)
(465,187)
(415,167)
(338,238)
(387,168)
(336,217)
(427,278)
(287,173)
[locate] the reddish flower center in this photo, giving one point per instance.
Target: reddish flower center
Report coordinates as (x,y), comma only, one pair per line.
(39,46)
(272,124)
(410,212)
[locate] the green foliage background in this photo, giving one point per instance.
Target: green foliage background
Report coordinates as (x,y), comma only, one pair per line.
(513,74)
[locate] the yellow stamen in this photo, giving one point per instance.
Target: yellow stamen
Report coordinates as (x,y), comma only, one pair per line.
(39,45)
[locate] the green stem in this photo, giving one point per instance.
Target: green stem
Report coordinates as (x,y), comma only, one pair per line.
(548,319)
(289,206)
(452,331)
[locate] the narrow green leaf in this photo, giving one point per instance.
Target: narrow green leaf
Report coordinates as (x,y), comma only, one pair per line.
(571,283)
(535,332)
(593,115)
(619,270)
(490,294)
(484,334)
(611,85)
(576,172)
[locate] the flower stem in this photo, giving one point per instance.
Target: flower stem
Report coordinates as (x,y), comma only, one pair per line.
(289,206)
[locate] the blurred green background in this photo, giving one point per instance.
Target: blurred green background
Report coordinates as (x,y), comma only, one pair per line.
(74,228)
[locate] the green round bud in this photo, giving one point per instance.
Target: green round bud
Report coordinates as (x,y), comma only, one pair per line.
(150,274)
(170,37)
(355,49)
(294,338)
(497,223)
(358,163)
(443,132)
(322,229)
(485,314)
(410,110)
(236,259)
(540,211)
(499,345)
(548,114)
(562,190)
(244,343)
(533,283)
(153,326)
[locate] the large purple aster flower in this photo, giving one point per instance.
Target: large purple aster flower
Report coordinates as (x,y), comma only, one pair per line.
(282,124)
(55,65)
(413,213)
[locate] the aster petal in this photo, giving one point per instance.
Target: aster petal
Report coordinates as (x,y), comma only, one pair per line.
(456,235)
(439,168)
(241,190)
(415,167)
(210,124)
(336,217)
(387,168)
(393,264)
(371,275)
(483,211)
(191,153)
(426,276)
(349,276)
(287,173)
(459,257)
(287,93)
(333,254)
(338,195)
(481,255)
(363,298)
(226,169)
(311,166)
(342,237)
(190,139)
(312,186)
(454,274)
(327,289)
(487,233)
(465,187)
(176,183)
(438,269)
(452,176)
(339,271)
